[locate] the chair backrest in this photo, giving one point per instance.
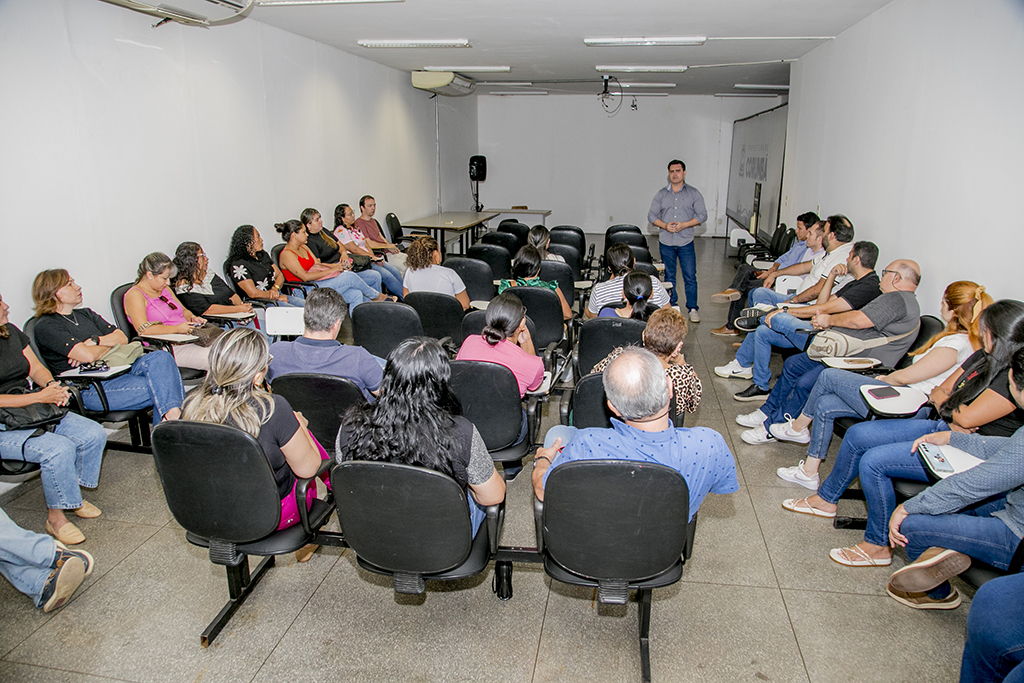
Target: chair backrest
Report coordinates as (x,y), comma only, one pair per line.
(601,336)
(490,400)
(503,239)
(475,274)
(646,267)
(440,314)
(521,232)
(569,237)
(572,256)
(563,274)
(574,228)
(476,321)
(508,220)
(930,326)
(218,482)
(777,236)
(117,308)
(786,243)
(615,519)
(498,258)
(275,253)
(322,400)
(622,227)
(632,238)
(641,254)
(394,227)
(590,404)
(545,310)
(379,326)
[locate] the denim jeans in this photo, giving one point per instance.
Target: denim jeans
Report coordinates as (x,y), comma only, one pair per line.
(763,295)
(25,558)
(154,381)
(756,349)
(995,633)
(68,457)
(799,374)
(744,282)
(836,394)
(353,286)
(390,277)
(687,258)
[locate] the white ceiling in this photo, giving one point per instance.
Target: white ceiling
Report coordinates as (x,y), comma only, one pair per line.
(542,40)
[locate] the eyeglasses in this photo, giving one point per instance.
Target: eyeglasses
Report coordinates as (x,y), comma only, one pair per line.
(170,304)
(895,273)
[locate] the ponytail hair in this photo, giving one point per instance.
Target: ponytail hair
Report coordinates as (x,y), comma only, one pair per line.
(527,262)
(965,300)
(620,259)
(539,237)
(288,228)
(504,313)
(637,290)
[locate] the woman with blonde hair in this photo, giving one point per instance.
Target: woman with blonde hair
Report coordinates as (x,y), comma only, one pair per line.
(234,393)
(426,274)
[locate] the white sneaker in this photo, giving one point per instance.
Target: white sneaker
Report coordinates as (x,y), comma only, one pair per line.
(734,369)
(751,419)
(694,316)
(757,436)
(784,431)
(796,475)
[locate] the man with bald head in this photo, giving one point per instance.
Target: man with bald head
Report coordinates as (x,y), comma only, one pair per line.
(639,392)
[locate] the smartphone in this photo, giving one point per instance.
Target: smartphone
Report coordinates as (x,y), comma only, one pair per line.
(932,455)
(883,392)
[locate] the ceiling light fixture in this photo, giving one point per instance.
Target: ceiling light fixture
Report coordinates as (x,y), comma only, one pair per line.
(645,41)
(471,69)
(747,94)
(750,86)
(454,42)
(645,85)
(642,69)
(507,84)
(774,38)
(271,3)
(516,92)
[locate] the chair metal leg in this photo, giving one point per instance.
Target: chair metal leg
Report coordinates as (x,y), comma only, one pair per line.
(850,522)
(644,598)
(503,580)
(240,584)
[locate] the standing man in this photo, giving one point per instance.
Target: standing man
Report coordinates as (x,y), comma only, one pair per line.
(676,210)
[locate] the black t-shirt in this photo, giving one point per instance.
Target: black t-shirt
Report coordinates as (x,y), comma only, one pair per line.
(859,293)
(277,432)
(319,246)
(259,269)
(14,366)
(198,302)
(1007,424)
(57,334)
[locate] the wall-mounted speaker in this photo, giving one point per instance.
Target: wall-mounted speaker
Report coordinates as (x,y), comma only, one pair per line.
(478,168)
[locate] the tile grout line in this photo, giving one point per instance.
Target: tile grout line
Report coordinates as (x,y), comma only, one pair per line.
(540,635)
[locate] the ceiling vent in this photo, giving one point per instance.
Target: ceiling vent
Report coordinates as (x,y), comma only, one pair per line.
(446,83)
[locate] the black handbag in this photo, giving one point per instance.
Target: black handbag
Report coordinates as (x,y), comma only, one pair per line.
(360,262)
(38,416)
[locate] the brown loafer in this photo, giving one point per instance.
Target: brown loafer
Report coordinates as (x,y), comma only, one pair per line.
(88,510)
(305,552)
(69,534)
(726,296)
(724,331)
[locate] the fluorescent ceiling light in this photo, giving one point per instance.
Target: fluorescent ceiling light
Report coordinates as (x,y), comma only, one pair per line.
(642,85)
(642,69)
(507,84)
(518,92)
(271,3)
(645,94)
(747,94)
(440,42)
(773,38)
(750,86)
(644,40)
(470,69)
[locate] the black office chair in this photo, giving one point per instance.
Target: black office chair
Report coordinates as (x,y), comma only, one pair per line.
(647,268)
(574,228)
(379,326)
(545,310)
(562,235)
(489,395)
(617,526)
(561,273)
(622,227)
(475,274)
(397,233)
(760,250)
(322,400)
(641,254)
(221,489)
(521,232)
(503,239)
(586,405)
(125,325)
(440,314)
(138,420)
(411,523)
(572,258)
(601,336)
(505,221)
(625,237)
(498,258)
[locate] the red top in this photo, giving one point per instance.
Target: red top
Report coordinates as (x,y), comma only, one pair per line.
(306,264)
(370,228)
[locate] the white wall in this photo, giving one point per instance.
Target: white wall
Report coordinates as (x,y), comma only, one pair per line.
(564,153)
(120,139)
(910,123)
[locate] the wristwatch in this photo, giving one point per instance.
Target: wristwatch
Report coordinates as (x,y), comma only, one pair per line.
(95,339)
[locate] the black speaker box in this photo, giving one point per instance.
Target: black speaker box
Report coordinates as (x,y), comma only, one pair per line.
(478,168)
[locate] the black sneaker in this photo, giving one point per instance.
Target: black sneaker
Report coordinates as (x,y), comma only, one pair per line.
(749,323)
(752,393)
(66,574)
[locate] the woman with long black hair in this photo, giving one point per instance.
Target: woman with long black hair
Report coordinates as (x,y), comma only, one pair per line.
(417,421)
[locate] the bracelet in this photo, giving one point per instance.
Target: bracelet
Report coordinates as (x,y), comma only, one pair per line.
(540,457)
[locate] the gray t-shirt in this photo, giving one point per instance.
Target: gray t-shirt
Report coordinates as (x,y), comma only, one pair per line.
(481,466)
(434,278)
(892,313)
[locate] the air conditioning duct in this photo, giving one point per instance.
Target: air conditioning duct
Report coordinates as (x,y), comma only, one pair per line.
(443,83)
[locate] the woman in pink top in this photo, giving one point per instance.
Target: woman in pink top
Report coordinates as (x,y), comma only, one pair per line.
(506,341)
(151,307)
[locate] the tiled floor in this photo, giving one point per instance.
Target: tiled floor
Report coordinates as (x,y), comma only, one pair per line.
(760,600)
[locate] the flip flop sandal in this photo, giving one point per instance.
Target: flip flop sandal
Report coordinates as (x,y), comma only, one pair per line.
(804,508)
(855,557)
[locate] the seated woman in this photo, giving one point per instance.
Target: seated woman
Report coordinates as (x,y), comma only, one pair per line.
(664,337)
(353,242)
(975,398)
(540,237)
(68,336)
(69,457)
(506,340)
(620,261)
(301,265)
(152,308)
(426,274)
(234,393)
(253,271)
(526,273)
(416,421)
(203,292)
(330,252)
(637,292)
(836,393)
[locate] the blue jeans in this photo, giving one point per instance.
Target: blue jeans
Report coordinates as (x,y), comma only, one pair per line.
(763,295)
(995,633)
(25,558)
(68,457)
(154,381)
(390,277)
(756,349)
(799,374)
(353,287)
(687,257)
(836,394)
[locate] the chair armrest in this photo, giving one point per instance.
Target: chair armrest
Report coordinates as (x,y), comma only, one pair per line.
(549,353)
(532,418)
(538,522)
(576,375)
(495,520)
(565,405)
(301,487)
(75,386)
